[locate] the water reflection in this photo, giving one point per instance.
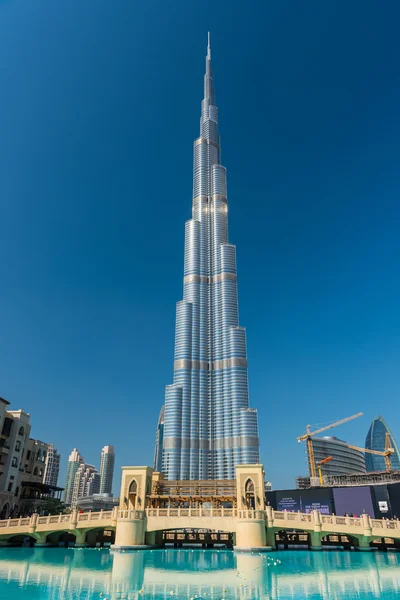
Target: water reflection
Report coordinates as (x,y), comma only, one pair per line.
(160,574)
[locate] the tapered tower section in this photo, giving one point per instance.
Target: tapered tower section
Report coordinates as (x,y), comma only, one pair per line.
(208,425)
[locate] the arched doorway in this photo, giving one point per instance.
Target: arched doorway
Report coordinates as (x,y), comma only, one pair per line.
(132,495)
(4,511)
(249,494)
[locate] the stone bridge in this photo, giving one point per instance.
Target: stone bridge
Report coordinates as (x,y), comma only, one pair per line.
(253,529)
(41,528)
(150,505)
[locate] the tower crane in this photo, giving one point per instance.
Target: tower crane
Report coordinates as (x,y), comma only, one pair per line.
(309,435)
(322,462)
(387,453)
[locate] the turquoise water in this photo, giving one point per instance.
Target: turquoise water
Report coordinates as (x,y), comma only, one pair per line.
(55,574)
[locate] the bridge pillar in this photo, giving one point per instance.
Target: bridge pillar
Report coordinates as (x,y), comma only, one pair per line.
(364,540)
(41,540)
(270,538)
(131,530)
(363,544)
(315,540)
(80,538)
(250,521)
(153,538)
(251,532)
(270,534)
(316,535)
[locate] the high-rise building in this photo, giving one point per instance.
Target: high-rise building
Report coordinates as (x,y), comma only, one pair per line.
(107,461)
(344,461)
(86,483)
(375,440)
(51,466)
(93,484)
(159,442)
(74,462)
(208,425)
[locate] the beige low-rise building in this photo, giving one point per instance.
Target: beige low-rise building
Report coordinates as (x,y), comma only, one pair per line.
(22,463)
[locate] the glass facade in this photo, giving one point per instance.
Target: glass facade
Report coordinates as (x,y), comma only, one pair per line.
(74,462)
(375,440)
(52,467)
(159,443)
(208,425)
(344,461)
(107,460)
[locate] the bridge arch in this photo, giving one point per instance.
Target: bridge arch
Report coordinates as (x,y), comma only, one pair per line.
(54,538)
(20,539)
(287,537)
(249,492)
(132,494)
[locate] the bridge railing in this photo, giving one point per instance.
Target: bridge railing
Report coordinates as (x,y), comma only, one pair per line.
(316,518)
(191,512)
(71,518)
(274,518)
(130,514)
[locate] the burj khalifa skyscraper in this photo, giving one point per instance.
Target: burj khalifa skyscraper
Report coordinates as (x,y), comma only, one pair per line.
(208,425)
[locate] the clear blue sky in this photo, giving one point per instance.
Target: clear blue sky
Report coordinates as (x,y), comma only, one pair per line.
(99,107)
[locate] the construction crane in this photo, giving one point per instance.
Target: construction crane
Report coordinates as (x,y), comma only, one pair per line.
(308,437)
(387,453)
(322,462)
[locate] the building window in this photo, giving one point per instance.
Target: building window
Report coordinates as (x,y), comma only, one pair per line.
(28,454)
(21,431)
(35,471)
(18,446)
(17,491)
(14,462)
(10,486)
(7,426)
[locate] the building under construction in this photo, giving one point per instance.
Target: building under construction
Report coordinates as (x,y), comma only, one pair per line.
(332,462)
(348,480)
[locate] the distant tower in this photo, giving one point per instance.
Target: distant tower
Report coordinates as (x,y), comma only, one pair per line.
(375,440)
(159,442)
(74,462)
(209,427)
(52,466)
(93,484)
(86,483)
(107,461)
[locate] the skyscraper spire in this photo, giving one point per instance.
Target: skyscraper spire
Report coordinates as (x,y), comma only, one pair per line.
(208,425)
(208,81)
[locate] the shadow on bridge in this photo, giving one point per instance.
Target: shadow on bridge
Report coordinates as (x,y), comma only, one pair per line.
(301,540)
(96,537)
(196,537)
